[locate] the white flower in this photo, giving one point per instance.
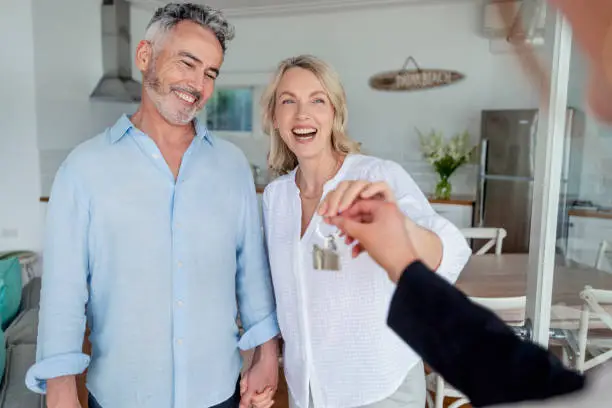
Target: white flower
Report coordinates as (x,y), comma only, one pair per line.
(446,158)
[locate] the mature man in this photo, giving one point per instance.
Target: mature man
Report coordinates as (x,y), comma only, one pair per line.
(153,228)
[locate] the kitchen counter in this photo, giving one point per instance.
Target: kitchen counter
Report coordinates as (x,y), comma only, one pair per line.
(607,215)
(454,200)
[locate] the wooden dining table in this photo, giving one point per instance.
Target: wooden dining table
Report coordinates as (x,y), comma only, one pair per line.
(505,275)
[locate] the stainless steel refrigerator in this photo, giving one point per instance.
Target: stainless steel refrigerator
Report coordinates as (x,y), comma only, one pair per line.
(506,171)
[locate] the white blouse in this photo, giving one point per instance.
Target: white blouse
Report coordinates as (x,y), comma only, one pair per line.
(337,342)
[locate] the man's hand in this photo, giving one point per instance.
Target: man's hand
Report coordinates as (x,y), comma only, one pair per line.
(379,228)
(62,393)
(260,382)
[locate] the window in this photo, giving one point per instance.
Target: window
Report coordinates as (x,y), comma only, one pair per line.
(230,110)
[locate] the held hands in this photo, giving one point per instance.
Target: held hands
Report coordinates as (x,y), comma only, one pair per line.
(62,392)
(259,383)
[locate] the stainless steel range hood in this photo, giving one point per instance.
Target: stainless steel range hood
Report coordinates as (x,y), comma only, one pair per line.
(117,84)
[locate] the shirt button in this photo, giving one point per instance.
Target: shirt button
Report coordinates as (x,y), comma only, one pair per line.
(179,342)
(155,156)
(179,303)
(180,264)
(177,225)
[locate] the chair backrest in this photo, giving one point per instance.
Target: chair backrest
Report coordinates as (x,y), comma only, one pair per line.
(509,309)
(592,308)
(495,236)
(498,304)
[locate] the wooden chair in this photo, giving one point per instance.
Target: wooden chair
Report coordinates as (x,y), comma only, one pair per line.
(494,235)
(600,348)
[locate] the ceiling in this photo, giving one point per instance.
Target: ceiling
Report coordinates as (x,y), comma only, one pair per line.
(269,7)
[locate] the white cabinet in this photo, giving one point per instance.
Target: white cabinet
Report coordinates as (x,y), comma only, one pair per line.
(458,214)
(584,237)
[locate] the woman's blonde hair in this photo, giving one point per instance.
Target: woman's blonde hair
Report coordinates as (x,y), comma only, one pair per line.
(281,159)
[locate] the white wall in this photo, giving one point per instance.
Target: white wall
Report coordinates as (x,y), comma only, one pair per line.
(68,67)
(361,43)
(19,171)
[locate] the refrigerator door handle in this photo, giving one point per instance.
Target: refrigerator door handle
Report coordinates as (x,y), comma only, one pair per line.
(507,178)
(481,180)
(533,134)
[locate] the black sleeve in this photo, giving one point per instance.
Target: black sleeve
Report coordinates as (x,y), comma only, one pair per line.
(470,347)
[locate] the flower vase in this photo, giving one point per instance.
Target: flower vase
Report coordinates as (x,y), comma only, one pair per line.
(443,189)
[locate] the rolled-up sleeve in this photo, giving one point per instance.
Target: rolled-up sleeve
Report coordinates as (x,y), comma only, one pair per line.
(254,283)
(64,291)
(414,204)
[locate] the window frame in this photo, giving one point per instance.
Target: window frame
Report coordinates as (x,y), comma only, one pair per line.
(256,81)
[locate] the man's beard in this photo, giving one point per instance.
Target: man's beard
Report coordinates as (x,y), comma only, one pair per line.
(163,103)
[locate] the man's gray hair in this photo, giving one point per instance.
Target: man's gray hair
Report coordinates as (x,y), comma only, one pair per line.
(165,18)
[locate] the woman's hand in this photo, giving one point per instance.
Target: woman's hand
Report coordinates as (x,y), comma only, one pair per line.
(349,191)
(265,399)
(427,244)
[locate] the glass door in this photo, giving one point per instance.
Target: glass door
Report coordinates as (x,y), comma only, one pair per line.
(581,303)
(548,159)
(569,296)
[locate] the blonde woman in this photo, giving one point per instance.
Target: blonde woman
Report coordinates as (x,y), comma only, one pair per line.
(338,349)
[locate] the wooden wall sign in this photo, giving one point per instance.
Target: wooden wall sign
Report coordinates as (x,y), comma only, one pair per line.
(415,79)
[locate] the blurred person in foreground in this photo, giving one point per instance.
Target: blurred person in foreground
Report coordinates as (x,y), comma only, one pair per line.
(465,343)
(591,23)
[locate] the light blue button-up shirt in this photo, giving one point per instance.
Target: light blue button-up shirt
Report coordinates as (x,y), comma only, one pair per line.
(162,268)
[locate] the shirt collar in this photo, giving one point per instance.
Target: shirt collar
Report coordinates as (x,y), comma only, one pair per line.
(124,124)
(120,128)
(202,131)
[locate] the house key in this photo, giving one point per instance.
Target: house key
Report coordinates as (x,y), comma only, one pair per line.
(326,258)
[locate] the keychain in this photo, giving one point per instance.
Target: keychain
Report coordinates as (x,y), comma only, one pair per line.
(327,257)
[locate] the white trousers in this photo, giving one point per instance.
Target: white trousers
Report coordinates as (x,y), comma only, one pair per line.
(410,394)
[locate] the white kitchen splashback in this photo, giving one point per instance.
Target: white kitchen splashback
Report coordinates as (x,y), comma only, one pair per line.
(596,182)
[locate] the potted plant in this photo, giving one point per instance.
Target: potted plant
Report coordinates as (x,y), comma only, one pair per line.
(445,157)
